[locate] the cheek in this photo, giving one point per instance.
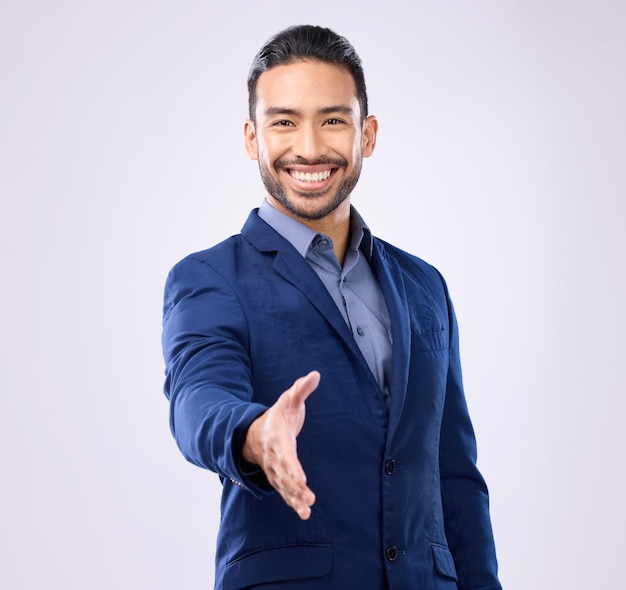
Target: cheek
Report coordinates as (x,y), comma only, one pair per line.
(351,148)
(263,155)
(271,150)
(357,154)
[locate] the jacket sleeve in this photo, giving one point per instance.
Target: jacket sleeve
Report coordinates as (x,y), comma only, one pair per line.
(208,372)
(464,492)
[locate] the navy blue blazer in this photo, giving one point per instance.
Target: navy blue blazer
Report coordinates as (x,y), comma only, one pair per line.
(400,502)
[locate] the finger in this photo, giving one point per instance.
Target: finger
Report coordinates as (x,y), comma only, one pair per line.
(301,501)
(289,479)
(303,387)
(297,496)
(288,471)
(303,510)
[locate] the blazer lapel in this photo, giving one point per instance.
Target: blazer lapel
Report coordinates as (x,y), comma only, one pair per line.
(392,284)
(293,268)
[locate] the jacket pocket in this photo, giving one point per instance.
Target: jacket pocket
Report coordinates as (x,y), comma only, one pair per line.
(444,564)
(429,341)
(292,562)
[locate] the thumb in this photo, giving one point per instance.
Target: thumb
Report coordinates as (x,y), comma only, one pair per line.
(303,387)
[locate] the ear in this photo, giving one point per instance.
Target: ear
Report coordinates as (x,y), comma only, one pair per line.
(368,137)
(249,134)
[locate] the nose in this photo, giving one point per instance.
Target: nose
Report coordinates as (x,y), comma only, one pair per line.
(308,142)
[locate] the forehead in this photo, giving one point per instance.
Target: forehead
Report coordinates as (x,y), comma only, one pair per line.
(306,84)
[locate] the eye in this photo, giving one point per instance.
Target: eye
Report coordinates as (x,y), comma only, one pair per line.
(282,123)
(333,121)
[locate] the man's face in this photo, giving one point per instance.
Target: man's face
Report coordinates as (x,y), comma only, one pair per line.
(308,137)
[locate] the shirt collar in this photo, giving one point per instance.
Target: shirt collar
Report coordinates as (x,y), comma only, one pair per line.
(361,234)
(300,236)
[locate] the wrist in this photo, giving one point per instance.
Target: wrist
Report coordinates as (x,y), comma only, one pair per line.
(250,444)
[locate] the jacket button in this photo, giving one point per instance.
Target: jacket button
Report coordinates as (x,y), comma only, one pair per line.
(390,467)
(392,553)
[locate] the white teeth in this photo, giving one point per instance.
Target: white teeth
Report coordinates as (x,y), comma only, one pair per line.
(310,177)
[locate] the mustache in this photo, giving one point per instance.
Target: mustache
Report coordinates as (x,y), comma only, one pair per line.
(322,161)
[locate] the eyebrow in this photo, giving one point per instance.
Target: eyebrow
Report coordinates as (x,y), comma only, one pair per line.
(295,112)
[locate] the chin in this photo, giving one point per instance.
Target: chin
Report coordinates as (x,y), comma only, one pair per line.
(313,208)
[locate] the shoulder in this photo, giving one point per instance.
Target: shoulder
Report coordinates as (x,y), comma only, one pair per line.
(218,258)
(204,272)
(409,264)
(256,239)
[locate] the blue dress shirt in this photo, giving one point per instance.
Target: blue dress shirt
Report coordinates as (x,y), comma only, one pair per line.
(354,287)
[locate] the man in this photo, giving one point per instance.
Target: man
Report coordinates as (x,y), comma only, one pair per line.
(316,369)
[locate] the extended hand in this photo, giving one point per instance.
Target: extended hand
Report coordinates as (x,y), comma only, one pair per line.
(271,444)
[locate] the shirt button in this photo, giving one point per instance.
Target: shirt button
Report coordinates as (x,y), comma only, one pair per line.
(392,553)
(360,331)
(390,467)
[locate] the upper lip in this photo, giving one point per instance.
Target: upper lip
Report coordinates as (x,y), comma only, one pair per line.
(321,164)
(311,169)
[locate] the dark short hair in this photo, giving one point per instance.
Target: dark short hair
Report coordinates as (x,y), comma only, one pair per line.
(307,43)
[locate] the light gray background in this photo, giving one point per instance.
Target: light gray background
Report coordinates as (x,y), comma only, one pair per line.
(500,160)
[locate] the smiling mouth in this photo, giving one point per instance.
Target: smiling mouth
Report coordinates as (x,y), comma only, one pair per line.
(311,176)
